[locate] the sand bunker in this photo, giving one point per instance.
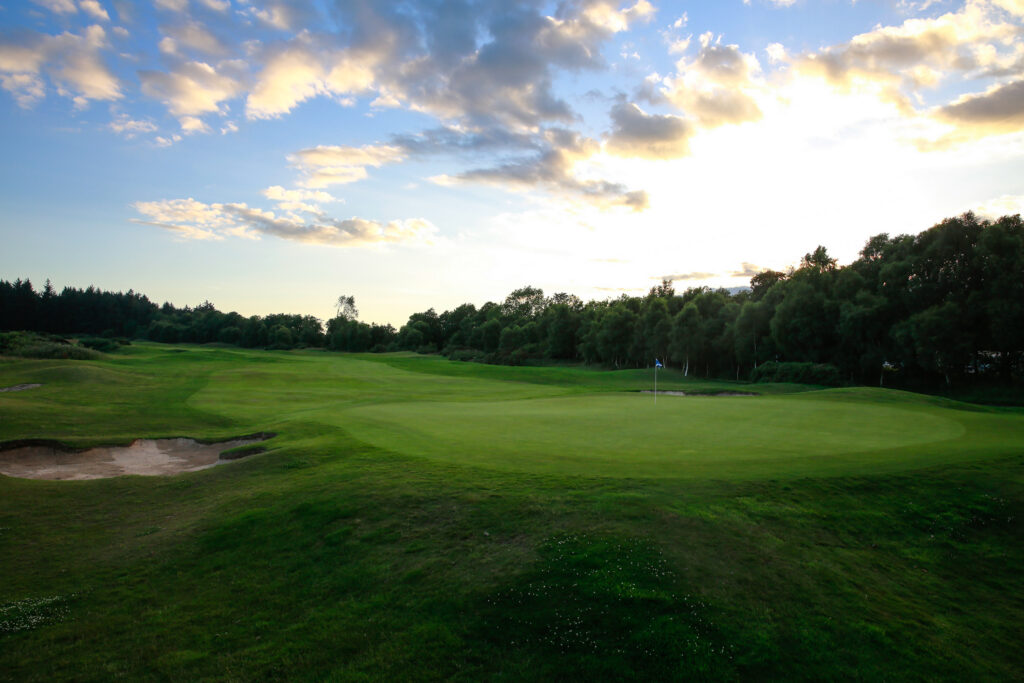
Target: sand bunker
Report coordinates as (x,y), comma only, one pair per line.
(683,393)
(20,387)
(143,456)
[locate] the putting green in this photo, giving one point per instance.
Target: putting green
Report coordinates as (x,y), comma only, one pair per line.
(623,435)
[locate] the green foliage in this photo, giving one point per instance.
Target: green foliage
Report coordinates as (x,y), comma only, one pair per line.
(33,345)
(54,350)
(100,344)
(821,374)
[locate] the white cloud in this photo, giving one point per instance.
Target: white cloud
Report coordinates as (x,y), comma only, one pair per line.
(279,194)
(897,62)
(288,77)
(1012,6)
(193,35)
(718,86)
(216,5)
(162,141)
(297,73)
(94,9)
(195,220)
(72,61)
(297,200)
(168,46)
(193,88)
(129,127)
(1006,205)
(58,6)
(193,124)
(776,53)
(326,165)
(171,5)
(26,88)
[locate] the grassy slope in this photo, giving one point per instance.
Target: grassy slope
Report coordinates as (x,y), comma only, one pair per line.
(333,558)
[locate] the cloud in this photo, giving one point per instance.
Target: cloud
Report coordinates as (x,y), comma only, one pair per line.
(162,141)
(1012,6)
(94,9)
(125,125)
(193,35)
(685,276)
(297,200)
(899,61)
(278,193)
(58,6)
(171,5)
(192,219)
(193,88)
(648,136)
(1006,205)
(283,15)
(554,170)
(326,165)
(998,110)
(216,5)
(289,76)
(26,88)
(193,124)
(747,270)
(72,61)
(717,86)
(195,220)
(482,64)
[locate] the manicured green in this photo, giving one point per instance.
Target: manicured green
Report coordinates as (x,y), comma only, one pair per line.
(421,519)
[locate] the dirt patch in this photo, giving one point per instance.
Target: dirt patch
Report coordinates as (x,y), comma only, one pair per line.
(49,460)
(20,387)
(683,393)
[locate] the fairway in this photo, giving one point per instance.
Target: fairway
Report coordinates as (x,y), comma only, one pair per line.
(415,518)
(630,436)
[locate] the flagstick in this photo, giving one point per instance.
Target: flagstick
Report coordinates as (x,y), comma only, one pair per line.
(655,382)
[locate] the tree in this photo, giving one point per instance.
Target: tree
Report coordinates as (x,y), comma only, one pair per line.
(685,335)
(523,304)
(614,335)
(818,260)
(346,307)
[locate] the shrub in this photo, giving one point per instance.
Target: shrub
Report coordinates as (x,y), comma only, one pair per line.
(100,344)
(54,350)
(467,355)
(800,373)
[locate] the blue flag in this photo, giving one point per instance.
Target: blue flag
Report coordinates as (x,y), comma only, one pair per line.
(657,363)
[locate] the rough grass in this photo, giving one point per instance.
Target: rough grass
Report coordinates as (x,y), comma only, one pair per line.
(332,558)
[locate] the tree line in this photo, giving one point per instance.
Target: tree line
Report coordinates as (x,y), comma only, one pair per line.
(132,315)
(942,307)
(945,306)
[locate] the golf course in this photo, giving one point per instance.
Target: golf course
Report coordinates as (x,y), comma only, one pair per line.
(407,517)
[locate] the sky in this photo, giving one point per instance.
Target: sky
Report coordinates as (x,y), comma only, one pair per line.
(271,156)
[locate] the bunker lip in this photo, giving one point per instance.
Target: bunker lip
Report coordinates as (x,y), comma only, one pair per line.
(20,387)
(49,459)
(700,393)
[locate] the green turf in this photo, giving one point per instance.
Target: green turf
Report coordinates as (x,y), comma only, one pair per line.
(417,519)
